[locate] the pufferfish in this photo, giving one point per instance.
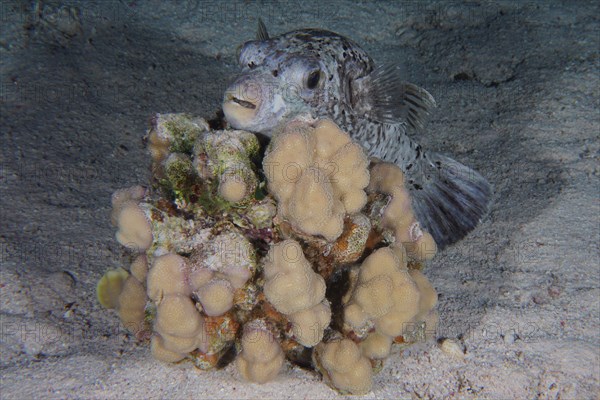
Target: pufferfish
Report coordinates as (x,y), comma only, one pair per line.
(326,75)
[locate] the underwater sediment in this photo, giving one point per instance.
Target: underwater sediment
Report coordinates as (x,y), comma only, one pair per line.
(302,249)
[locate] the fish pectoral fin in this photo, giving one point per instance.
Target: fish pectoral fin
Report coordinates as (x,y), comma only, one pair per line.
(261,33)
(394,100)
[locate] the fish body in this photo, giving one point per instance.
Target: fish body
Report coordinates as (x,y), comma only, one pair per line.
(323,74)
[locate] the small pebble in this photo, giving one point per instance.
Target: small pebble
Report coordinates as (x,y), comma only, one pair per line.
(510,338)
(452,348)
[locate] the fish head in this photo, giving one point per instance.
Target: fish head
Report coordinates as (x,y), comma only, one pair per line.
(281,78)
(323,74)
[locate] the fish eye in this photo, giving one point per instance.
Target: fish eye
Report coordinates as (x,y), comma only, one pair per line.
(313,79)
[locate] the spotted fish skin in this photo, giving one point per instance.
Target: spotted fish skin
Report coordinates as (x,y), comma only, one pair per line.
(321,73)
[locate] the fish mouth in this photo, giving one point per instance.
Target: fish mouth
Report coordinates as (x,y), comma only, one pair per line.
(243,103)
(239,112)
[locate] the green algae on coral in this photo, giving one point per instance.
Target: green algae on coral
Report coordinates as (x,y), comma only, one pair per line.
(183,131)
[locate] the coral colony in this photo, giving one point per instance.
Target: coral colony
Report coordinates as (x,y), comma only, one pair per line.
(302,250)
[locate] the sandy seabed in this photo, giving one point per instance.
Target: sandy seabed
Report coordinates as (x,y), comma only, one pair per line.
(517,87)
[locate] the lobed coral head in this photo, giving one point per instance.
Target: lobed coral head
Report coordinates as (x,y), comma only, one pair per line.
(303,266)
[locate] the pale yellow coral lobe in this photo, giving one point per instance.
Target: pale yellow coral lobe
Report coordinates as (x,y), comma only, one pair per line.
(297,291)
(318,175)
(398,216)
(261,358)
(347,369)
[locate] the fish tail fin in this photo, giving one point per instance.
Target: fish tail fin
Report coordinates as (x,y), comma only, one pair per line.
(449,198)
